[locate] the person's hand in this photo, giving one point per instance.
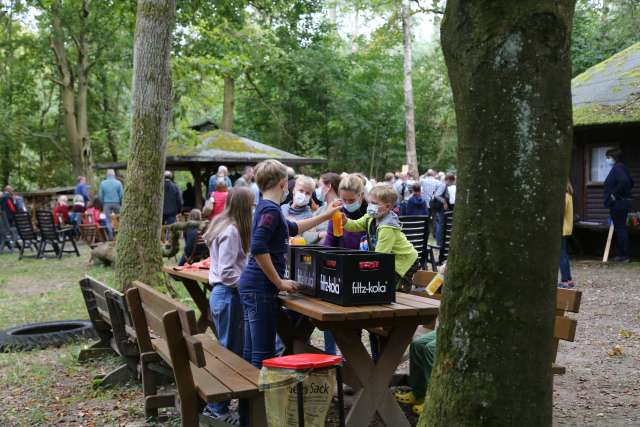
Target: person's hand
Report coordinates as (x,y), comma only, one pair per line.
(344,219)
(287,285)
(334,207)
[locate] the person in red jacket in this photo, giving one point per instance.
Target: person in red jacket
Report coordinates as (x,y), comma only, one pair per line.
(61,211)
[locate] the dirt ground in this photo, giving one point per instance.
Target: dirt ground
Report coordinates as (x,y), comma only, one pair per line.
(601,389)
(50,387)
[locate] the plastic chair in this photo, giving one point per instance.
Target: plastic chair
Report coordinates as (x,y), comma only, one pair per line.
(306,362)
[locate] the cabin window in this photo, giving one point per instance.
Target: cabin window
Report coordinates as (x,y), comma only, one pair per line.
(598,167)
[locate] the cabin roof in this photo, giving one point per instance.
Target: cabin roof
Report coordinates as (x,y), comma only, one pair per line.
(609,92)
(219,147)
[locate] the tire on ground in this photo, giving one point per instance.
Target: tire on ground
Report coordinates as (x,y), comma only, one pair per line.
(45,334)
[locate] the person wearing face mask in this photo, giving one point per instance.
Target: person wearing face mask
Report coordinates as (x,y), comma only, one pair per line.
(384,234)
(617,198)
(351,192)
(324,195)
(299,206)
(262,279)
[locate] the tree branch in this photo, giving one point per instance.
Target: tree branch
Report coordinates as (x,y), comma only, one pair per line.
(422,9)
(54,80)
(267,106)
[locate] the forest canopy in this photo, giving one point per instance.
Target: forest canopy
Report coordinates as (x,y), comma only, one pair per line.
(316,78)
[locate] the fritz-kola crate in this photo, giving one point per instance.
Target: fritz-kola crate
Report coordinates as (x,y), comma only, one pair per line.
(356,278)
(290,261)
(306,267)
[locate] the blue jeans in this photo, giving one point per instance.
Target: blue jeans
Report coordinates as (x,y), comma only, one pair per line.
(261,311)
(618,213)
(226,309)
(329,343)
(108,209)
(565,267)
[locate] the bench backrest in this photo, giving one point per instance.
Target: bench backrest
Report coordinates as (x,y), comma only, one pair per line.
(97,296)
(448,230)
(172,321)
(567,300)
(24,226)
(416,228)
(46,225)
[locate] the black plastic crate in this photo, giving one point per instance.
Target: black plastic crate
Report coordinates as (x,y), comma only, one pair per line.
(306,267)
(356,278)
(290,261)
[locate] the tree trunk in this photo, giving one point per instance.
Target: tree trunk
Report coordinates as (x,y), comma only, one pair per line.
(410,128)
(74,105)
(227,107)
(86,154)
(510,72)
(139,255)
(5,162)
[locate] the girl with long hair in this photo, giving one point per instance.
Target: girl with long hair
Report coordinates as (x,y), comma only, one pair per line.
(228,237)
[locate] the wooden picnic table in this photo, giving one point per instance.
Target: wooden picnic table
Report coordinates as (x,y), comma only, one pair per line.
(196,282)
(396,322)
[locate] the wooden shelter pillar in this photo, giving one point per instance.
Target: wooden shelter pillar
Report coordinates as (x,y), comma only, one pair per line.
(197,185)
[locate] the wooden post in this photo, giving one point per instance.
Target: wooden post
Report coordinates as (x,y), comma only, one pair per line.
(197,185)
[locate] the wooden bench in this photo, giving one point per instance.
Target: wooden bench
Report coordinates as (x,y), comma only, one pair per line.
(567,301)
(109,314)
(204,371)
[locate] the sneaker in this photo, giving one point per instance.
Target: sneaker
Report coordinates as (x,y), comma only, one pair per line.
(408,398)
(418,409)
(567,285)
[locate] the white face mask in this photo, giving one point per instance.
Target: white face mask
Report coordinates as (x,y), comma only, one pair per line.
(319,194)
(300,199)
(372,210)
(610,161)
(285,194)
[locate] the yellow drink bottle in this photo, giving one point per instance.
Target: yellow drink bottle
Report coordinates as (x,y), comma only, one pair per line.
(435,284)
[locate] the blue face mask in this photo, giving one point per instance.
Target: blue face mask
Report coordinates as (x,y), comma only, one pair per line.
(610,161)
(372,210)
(352,207)
(319,194)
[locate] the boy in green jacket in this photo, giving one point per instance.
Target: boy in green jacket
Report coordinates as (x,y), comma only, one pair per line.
(384,233)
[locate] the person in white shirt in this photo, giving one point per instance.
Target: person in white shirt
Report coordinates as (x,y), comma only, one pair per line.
(450,180)
(429,186)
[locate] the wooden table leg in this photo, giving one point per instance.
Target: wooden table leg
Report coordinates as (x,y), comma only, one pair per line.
(198,293)
(375,395)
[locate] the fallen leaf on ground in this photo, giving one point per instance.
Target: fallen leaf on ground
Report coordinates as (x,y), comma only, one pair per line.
(615,351)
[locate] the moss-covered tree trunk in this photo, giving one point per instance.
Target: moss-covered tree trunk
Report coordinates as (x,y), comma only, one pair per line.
(138,249)
(510,71)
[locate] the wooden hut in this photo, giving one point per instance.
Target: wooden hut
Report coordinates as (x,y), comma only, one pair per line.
(212,147)
(606,114)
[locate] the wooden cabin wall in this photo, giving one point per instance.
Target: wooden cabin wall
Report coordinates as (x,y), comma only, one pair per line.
(588,198)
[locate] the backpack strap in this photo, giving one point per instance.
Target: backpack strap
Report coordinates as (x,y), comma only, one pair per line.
(371,228)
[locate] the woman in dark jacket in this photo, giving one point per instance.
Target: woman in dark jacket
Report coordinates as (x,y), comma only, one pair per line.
(617,197)
(192,250)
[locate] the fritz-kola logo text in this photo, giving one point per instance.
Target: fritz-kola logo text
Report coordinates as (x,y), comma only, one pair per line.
(329,284)
(369,288)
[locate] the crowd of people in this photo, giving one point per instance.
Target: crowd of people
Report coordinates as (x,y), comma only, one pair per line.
(253,218)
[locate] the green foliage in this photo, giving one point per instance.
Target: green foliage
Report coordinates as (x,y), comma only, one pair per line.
(602,29)
(303,83)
